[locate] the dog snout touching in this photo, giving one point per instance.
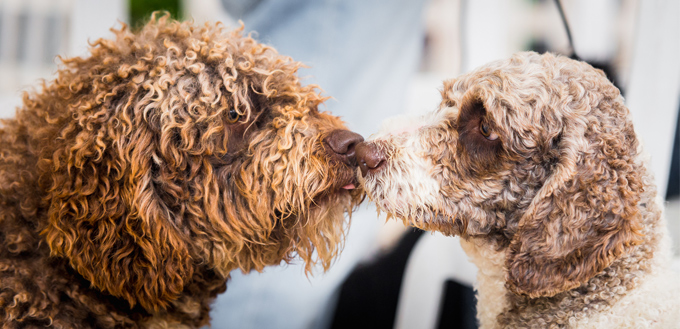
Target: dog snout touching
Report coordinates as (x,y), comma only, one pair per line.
(370,157)
(343,143)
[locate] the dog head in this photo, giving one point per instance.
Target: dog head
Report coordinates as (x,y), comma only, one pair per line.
(536,154)
(180,149)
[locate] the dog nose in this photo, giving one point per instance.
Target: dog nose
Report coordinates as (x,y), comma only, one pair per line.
(343,143)
(370,157)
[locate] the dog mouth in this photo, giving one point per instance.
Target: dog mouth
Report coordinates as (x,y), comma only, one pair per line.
(349,186)
(342,188)
(346,180)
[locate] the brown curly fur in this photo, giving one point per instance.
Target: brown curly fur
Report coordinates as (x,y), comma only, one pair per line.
(129,187)
(560,203)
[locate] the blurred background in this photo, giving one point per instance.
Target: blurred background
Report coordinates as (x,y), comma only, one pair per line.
(637,42)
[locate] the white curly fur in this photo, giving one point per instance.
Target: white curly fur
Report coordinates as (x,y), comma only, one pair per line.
(655,303)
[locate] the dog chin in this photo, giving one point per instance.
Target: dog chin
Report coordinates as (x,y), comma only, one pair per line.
(395,203)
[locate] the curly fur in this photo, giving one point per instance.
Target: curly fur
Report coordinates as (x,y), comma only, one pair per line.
(558,212)
(132,184)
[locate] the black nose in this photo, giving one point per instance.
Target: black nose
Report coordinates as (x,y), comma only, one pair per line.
(343,143)
(370,157)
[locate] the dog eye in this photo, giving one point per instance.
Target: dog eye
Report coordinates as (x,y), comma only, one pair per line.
(233,115)
(487,132)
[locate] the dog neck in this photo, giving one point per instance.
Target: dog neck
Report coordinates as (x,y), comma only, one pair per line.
(490,285)
(626,278)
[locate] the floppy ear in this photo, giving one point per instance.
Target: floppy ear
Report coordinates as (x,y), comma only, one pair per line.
(585,215)
(106,218)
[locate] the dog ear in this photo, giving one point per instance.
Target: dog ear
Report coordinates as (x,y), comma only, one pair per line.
(107,219)
(586,213)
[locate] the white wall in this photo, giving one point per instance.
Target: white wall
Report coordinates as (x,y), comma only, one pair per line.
(33,32)
(654,90)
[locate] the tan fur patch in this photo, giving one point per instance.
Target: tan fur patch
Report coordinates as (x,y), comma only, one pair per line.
(160,323)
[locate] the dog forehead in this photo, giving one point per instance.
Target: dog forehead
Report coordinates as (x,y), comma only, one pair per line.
(521,71)
(523,90)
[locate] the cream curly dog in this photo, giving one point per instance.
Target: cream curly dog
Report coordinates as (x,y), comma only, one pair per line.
(132,184)
(533,161)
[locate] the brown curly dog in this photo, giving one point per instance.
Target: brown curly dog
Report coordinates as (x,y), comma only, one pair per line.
(534,162)
(132,184)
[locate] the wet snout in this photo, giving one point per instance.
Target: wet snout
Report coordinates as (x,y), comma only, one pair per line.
(370,157)
(343,144)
